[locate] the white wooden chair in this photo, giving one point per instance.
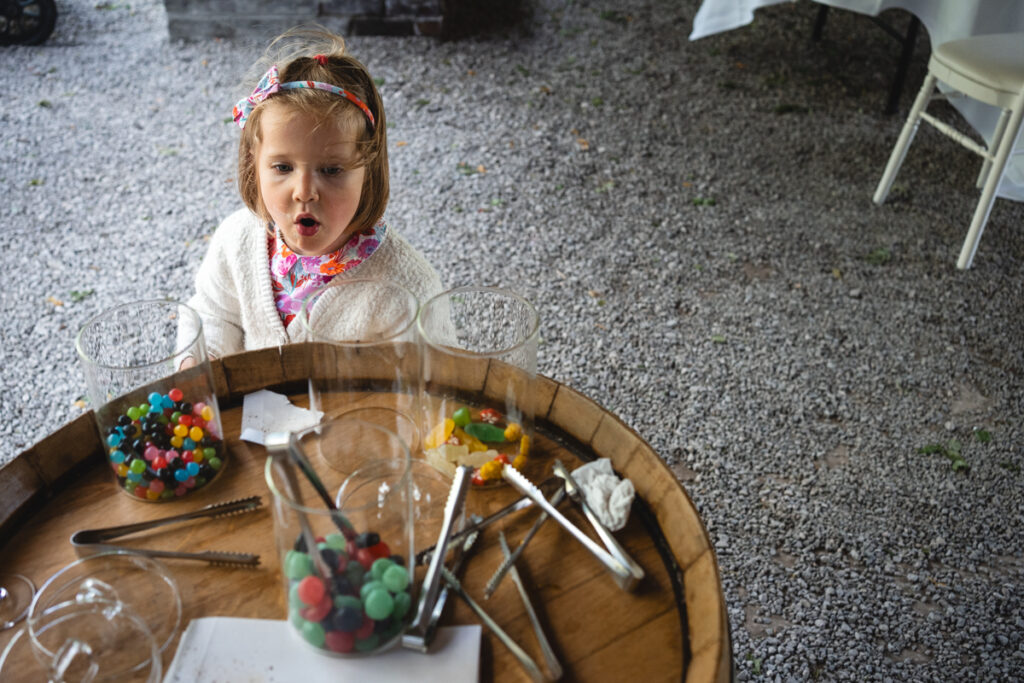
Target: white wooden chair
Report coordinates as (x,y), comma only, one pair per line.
(989,68)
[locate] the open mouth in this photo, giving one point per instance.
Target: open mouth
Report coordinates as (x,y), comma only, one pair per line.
(307,226)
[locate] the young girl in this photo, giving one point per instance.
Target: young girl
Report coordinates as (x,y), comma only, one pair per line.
(313,173)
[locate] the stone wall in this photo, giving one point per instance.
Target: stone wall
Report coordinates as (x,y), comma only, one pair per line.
(201,19)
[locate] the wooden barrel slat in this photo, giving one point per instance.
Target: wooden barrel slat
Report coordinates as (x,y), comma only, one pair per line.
(600,632)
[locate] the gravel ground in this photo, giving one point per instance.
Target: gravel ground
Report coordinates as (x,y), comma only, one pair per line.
(694,221)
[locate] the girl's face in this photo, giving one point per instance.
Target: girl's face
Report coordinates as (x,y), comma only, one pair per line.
(306,179)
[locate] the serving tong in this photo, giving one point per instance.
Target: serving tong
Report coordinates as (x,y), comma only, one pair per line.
(626,572)
(90,541)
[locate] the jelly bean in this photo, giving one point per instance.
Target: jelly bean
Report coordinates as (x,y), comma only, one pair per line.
(214,462)
(177,441)
(117,457)
(138,466)
(378,603)
(380,566)
(185,420)
(134,477)
(134,413)
(365,629)
(181,430)
(197,455)
(461,417)
(439,434)
(339,641)
(157,485)
(167,494)
(196,434)
(144,408)
(490,416)
(187,456)
(152,495)
(175,394)
(380,550)
(335,541)
(122,470)
(297,565)
(171,455)
(367,644)
(395,578)
(185,407)
(155,399)
(513,432)
(176,416)
(370,585)
(487,433)
(343,601)
(181,475)
(166,403)
(403,601)
(313,632)
(364,557)
(293,597)
(312,590)
(341,585)
(140,491)
(367,539)
(502,458)
(180,491)
(476,479)
(189,483)
(192,468)
(354,571)
(206,413)
(115,439)
(155,408)
(187,443)
(200,481)
(318,611)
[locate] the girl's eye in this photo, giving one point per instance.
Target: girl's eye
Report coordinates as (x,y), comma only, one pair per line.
(281,168)
(332,170)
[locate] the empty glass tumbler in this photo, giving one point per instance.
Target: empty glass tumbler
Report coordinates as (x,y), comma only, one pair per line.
(151,388)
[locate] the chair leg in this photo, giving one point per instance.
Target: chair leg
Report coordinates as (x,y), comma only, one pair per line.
(997,136)
(899,152)
(988,194)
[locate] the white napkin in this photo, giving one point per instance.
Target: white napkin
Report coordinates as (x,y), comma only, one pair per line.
(218,649)
(609,497)
(264,412)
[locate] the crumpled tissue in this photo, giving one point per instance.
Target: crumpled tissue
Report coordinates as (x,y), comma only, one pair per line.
(265,412)
(609,497)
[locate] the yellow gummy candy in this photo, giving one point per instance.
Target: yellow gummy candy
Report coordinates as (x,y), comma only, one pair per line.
(513,432)
(474,443)
(491,471)
(524,446)
(439,434)
(519,462)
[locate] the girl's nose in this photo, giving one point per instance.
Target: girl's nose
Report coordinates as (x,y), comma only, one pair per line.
(305,188)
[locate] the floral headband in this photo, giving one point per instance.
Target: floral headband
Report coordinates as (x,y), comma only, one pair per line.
(271,84)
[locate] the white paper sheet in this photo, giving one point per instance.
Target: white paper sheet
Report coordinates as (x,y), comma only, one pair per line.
(265,412)
(220,649)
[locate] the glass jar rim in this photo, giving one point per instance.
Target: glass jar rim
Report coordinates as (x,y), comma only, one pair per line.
(496,353)
(180,347)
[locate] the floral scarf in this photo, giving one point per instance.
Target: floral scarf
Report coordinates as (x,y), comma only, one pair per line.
(294,277)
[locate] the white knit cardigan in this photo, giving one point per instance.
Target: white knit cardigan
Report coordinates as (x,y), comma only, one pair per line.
(235,300)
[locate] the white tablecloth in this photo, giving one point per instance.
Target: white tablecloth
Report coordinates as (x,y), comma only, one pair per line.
(944,20)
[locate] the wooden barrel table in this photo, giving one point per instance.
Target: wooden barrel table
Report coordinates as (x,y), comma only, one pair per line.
(673,627)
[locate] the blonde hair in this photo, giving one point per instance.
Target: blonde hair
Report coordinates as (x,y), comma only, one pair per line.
(294,52)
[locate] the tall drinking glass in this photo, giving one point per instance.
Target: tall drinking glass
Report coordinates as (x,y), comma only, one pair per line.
(350,593)
(364,351)
(160,424)
(479,372)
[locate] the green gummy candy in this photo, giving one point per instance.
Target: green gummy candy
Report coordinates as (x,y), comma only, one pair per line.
(395,578)
(369,586)
(403,601)
(297,565)
(367,644)
(335,541)
(487,433)
(341,601)
(313,632)
(378,603)
(295,618)
(214,462)
(379,566)
(294,601)
(461,417)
